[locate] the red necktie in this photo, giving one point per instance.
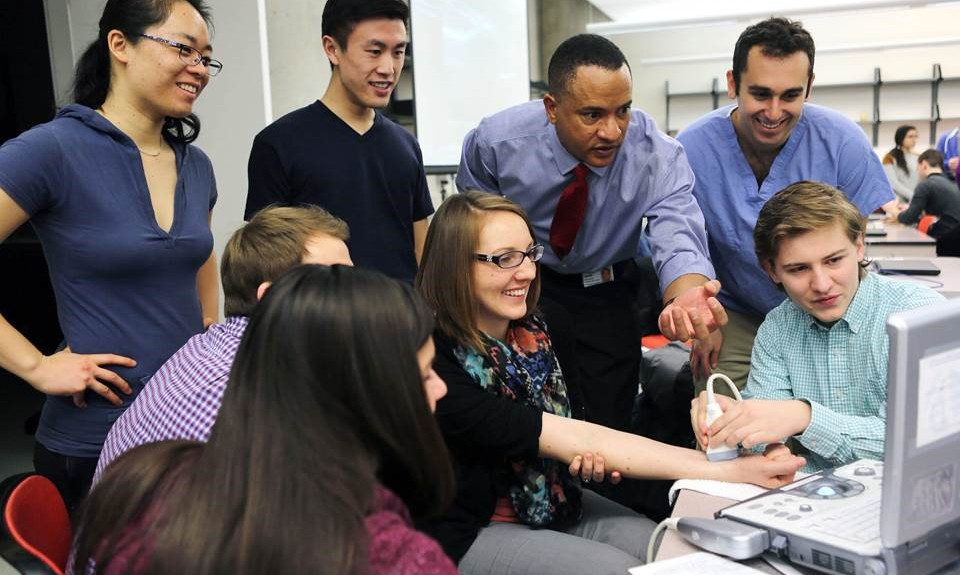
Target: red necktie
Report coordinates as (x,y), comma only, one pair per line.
(569,215)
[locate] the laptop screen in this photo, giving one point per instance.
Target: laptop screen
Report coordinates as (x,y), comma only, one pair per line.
(921,479)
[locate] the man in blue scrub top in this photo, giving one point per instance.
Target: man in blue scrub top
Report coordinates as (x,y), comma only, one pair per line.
(744,153)
(584,141)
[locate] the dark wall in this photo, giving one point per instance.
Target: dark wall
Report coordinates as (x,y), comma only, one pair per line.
(26,99)
(26,84)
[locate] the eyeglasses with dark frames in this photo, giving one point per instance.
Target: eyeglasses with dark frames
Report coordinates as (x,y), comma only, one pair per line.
(190,55)
(509,260)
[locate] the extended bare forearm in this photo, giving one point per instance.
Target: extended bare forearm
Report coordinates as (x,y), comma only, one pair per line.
(632,455)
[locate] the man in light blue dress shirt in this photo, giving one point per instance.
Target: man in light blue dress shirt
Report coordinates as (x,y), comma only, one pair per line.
(744,153)
(819,368)
(528,154)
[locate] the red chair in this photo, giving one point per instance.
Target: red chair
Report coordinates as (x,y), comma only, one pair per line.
(35,536)
(924,224)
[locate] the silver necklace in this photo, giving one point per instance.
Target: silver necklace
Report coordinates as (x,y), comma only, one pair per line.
(141,150)
(145,153)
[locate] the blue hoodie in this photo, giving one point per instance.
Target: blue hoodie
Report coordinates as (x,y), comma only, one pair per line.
(122,284)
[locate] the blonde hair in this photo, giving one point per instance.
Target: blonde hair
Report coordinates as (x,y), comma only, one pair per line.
(272,242)
(445,278)
(805,207)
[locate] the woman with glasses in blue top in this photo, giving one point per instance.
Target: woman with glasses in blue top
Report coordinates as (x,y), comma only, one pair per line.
(121,201)
(520,457)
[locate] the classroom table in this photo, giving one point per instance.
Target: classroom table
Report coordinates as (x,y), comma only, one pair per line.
(901,241)
(947,283)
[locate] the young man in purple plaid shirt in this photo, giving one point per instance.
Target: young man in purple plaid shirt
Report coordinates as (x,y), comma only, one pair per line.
(183,397)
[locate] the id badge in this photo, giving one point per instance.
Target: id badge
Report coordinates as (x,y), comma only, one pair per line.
(601,276)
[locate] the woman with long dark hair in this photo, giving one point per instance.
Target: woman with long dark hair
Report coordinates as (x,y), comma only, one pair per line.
(324,440)
(507,418)
(900,163)
(121,201)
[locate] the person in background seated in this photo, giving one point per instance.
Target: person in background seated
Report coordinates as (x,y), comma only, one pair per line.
(520,456)
(121,201)
(182,400)
(818,372)
(324,441)
(900,163)
(342,154)
(937,196)
(742,154)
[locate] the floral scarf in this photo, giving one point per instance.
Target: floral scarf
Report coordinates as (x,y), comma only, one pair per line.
(525,369)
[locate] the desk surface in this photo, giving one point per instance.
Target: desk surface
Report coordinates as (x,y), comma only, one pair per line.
(900,234)
(947,283)
(901,240)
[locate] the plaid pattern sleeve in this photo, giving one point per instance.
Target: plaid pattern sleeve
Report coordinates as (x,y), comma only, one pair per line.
(841,370)
(182,399)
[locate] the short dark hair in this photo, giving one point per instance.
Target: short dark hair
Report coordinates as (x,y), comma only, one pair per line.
(933,158)
(272,242)
(777,38)
(581,50)
(340,17)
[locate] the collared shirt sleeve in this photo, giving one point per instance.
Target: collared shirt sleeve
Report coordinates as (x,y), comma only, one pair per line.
(675,227)
(843,438)
(769,376)
(477,169)
(864,182)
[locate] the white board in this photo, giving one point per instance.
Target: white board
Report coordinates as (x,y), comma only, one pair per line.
(470,59)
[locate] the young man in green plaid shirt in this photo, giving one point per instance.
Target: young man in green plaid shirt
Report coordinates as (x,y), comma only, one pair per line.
(818,371)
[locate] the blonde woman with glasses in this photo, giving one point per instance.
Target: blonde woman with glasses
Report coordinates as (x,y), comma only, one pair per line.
(521,459)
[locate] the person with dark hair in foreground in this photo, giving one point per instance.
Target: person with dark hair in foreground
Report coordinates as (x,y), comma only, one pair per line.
(744,153)
(343,155)
(182,399)
(121,202)
(589,170)
(324,440)
(520,456)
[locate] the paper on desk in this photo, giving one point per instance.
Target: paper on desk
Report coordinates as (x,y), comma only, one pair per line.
(736,491)
(694,564)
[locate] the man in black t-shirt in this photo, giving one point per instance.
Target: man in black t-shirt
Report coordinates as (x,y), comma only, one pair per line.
(343,155)
(936,195)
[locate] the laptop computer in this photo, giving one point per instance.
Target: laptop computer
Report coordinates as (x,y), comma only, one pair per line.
(899,516)
(876,229)
(907,267)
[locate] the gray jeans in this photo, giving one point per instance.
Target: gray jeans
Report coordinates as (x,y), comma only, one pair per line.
(608,540)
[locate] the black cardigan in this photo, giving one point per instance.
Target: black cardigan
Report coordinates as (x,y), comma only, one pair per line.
(481,430)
